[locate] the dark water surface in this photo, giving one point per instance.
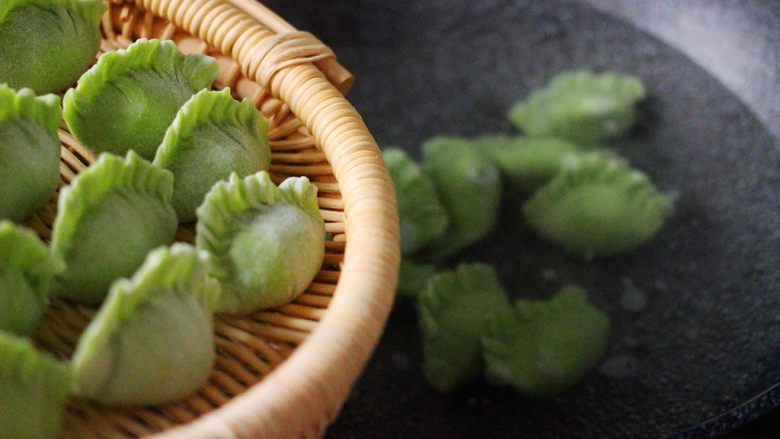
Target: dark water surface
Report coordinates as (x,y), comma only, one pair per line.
(708,336)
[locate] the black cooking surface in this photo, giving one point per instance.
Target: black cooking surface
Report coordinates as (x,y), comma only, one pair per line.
(708,338)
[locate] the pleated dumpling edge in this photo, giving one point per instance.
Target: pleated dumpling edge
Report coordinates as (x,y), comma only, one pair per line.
(149,81)
(108,219)
(161,315)
(30,149)
(212,136)
(267,241)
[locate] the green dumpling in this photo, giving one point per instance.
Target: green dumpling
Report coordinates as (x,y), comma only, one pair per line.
(130,97)
(469,187)
(550,345)
(422,216)
(413,277)
(153,340)
(527,162)
(29,151)
(598,206)
(109,218)
(212,136)
(268,242)
(47,44)
(456,310)
(33,391)
(581,106)
(27,270)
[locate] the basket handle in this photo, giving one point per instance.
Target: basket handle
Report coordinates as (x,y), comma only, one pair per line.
(335,72)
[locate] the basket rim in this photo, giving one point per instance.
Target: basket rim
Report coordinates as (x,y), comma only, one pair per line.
(305,393)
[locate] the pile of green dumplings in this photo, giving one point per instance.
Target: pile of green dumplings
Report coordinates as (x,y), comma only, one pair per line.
(170,150)
(582,197)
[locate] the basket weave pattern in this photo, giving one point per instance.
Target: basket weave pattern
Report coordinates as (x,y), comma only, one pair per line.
(314,132)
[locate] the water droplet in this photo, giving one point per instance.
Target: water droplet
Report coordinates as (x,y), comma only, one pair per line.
(549,274)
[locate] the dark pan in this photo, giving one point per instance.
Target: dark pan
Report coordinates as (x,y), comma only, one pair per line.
(693,360)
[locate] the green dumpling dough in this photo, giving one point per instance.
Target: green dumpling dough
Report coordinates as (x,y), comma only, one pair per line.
(29,151)
(527,162)
(413,277)
(27,270)
(33,391)
(581,106)
(469,187)
(212,136)
(153,340)
(422,216)
(457,309)
(549,346)
(108,219)
(268,242)
(46,45)
(130,97)
(598,206)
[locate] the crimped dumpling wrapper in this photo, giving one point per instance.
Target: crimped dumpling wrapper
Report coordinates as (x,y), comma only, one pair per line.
(29,151)
(108,219)
(153,340)
(422,217)
(581,106)
(27,271)
(268,242)
(598,206)
(34,391)
(469,187)
(456,310)
(527,162)
(212,136)
(130,97)
(46,45)
(549,346)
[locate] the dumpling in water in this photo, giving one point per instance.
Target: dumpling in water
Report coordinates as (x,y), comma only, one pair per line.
(130,97)
(212,136)
(598,206)
(27,270)
(29,151)
(549,346)
(47,44)
(469,187)
(422,217)
(413,278)
(109,218)
(33,391)
(581,106)
(527,162)
(153,340)
(457,308)
(268,242)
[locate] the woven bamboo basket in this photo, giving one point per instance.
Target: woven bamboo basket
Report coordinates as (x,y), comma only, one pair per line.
(317,345)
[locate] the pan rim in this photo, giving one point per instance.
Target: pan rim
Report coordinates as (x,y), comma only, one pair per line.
(735,417)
